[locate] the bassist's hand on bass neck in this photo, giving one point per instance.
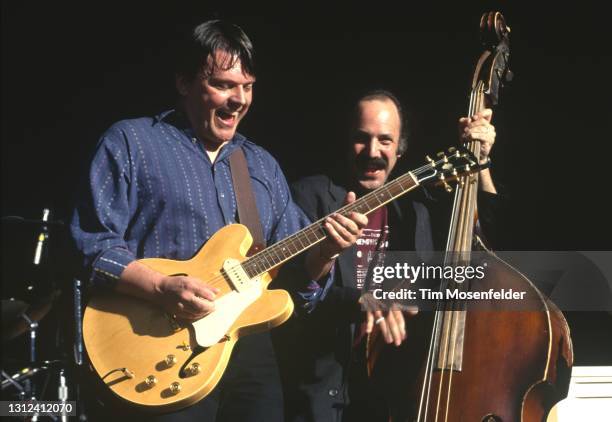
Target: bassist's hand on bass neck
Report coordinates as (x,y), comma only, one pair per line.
(479,128)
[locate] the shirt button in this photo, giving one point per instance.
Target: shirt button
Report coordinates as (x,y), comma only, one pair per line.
(222,196)
(333,392)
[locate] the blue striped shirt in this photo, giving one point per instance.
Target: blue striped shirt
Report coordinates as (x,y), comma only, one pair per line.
(152,191)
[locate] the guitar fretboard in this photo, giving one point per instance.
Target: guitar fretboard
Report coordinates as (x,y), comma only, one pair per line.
(297,243)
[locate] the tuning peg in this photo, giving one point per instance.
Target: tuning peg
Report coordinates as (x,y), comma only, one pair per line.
(428,158)
(442,156)
(447,187)
(452,150)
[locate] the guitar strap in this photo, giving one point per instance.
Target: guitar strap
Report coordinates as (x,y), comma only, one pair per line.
(245,200)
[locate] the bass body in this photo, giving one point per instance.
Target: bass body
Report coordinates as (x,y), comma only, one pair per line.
(515,364)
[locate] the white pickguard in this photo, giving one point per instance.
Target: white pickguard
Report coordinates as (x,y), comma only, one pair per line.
(213,327)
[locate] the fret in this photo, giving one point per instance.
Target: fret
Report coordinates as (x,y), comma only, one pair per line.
(289,245)
(283,250)
(277,258)
(375,196)
(295,245)
(320,231)
(409,180)
(310,239)
(265,255)
(299,239)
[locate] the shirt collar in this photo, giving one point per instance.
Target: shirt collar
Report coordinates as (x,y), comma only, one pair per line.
(178,119)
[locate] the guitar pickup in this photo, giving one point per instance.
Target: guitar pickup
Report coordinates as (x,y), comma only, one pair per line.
(235,274)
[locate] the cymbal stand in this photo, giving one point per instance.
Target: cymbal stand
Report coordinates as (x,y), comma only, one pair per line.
(8,380)
(29,388)
(78,343)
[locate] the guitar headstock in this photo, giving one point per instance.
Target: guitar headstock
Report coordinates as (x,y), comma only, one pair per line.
(450,166)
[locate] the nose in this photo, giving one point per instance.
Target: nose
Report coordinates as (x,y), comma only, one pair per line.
(373,148)
(238,97)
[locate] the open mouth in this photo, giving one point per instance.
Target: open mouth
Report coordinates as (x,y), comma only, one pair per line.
(372,169)
(226,118)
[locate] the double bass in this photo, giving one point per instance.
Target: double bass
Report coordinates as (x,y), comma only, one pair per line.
(488,365)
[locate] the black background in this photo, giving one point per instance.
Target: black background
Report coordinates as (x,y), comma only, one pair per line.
(70,70)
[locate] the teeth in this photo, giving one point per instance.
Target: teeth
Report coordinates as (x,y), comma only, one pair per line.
(226,113)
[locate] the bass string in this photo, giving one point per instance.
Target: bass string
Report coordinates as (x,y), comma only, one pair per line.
(457,237)
(472,189)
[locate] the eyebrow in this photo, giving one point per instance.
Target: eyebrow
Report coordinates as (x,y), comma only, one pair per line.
(221,79)
(358,132)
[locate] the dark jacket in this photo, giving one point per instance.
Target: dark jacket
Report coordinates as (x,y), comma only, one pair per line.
(314,351)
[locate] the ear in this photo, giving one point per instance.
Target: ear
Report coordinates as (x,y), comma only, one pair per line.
(181,84)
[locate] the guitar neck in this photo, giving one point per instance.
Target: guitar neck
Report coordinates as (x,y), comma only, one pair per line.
(297,243)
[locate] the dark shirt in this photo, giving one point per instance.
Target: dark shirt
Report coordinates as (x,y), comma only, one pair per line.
(373,238)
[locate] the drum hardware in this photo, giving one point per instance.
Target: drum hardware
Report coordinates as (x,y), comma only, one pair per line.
(23,313)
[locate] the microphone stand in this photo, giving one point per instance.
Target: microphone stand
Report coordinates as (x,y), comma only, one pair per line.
(29,385)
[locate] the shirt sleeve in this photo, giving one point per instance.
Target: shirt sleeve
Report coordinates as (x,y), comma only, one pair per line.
(306,293)
(102,211)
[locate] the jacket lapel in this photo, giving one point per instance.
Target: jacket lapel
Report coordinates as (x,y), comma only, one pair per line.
(346,260)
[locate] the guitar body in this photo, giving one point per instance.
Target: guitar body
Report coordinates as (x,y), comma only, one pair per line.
(128,340)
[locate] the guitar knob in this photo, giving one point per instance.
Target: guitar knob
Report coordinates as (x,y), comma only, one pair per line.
(170,360)
(175,387)
(150,381)
(195,368)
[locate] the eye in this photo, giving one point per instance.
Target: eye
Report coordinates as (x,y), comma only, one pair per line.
(248,87)
(219,84)
(360,138)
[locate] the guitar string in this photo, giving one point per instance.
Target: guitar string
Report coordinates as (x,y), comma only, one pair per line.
(314,227)
(318,226)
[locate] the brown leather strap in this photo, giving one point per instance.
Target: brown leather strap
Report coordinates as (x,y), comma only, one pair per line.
(245,200)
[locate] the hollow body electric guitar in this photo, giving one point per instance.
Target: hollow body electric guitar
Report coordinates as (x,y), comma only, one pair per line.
(153,362)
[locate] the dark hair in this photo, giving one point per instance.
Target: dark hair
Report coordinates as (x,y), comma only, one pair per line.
(211,36)
(382,95)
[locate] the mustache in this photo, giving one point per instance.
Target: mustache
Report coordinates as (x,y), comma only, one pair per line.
(363,162)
